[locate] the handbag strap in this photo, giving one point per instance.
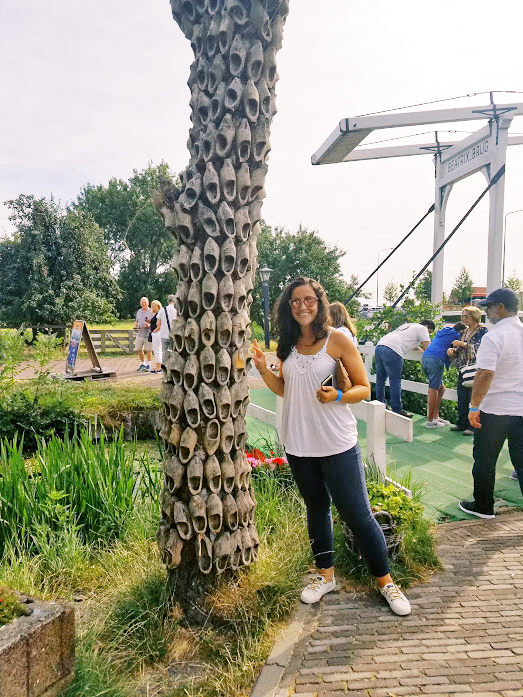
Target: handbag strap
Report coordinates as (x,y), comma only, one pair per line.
(167,318)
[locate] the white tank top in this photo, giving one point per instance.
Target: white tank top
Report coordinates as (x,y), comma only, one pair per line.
(310,428)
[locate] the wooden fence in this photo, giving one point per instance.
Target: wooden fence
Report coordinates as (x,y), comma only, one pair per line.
(113,340)
(104,340)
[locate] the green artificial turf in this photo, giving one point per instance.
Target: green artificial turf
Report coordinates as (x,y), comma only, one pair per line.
(440,461)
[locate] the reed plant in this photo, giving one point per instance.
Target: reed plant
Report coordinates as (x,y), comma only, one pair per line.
(75,484)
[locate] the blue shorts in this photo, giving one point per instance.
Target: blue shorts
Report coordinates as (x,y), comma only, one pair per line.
(433,369)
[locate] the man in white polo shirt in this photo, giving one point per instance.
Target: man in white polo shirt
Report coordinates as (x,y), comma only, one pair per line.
(496,404)
(390,352)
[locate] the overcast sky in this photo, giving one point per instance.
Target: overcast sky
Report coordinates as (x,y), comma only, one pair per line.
(91,90)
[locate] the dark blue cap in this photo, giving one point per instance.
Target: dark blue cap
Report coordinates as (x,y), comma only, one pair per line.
(502,295)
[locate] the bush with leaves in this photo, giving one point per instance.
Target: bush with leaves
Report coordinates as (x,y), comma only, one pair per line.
(416,551)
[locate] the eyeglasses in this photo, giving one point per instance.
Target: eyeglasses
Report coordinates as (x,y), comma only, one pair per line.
(309,301)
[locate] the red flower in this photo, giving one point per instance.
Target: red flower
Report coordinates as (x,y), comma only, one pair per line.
(257,454)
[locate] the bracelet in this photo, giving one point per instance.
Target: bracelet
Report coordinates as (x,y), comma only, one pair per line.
(471,408)
(340,395)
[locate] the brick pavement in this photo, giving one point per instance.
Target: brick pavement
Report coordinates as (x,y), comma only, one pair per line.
(464,636)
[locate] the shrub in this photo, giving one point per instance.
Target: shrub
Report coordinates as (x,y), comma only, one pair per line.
(21,418)
(414,545)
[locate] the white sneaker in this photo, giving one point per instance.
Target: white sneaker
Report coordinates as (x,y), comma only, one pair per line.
(395,598)
(433,424)
(442,421)
(317,589)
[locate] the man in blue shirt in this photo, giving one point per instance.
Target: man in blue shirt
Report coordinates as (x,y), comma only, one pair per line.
(433,362)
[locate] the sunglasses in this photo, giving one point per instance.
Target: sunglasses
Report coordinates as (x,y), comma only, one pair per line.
(309,301)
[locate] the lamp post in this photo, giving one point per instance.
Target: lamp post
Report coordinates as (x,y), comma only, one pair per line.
(265,275)
(520,210)
(387,249)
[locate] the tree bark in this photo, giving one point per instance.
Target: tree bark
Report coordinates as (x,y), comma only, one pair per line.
(207,530)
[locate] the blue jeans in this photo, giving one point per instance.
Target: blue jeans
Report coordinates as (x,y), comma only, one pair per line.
(488,441)
(433,369)
(389,364)
(339,478)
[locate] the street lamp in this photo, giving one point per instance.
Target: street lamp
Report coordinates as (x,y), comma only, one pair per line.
(387,249)
(504,239)
(265,275)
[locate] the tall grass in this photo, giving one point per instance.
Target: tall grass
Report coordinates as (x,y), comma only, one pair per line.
(77,485)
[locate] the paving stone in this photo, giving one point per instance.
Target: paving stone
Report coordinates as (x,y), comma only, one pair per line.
(307,688)
(499,686)
(448,689)
(489,654)
(398,690)
(307,679)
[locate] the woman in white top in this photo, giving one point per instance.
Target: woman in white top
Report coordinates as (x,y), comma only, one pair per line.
(320,435)
(340,319)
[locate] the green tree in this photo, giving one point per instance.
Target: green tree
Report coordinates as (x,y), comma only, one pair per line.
(463,287)
(391,292)
(423,288)
(302,253)
(55,268)
(391,318)
(514,283)
(140,246)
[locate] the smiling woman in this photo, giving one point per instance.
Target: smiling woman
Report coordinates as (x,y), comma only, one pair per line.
(320,435)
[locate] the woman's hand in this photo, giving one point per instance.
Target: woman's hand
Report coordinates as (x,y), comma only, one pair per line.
(258,358)
(451,352)
(457,343)
(327,394)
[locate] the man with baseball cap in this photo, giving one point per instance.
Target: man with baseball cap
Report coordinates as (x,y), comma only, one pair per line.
(496,404)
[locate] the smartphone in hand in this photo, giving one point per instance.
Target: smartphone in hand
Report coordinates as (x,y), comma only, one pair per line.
(328,382)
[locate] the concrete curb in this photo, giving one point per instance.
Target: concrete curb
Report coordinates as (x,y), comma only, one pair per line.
(280,655)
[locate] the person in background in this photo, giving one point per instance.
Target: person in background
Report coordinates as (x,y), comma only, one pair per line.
(167,316)
(433,362)
(155,325)
(340,319)
(141,343)
(319,433)
(391,349)
(496,404)
(463,352)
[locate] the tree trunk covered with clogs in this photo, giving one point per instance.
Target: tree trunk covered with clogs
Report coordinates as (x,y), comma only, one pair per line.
(207,529)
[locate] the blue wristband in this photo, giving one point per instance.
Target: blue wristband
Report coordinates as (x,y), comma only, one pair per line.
(473,408)
(340,395)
